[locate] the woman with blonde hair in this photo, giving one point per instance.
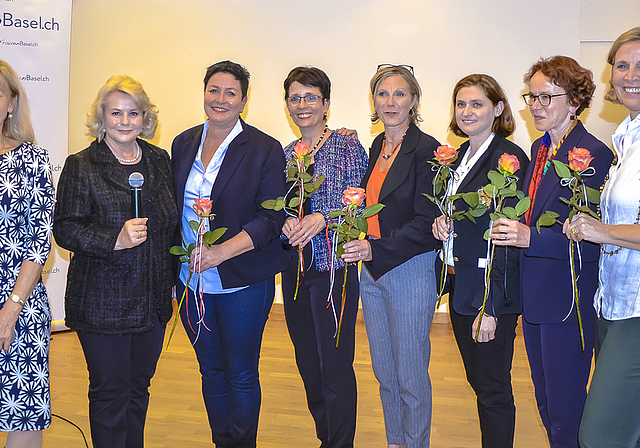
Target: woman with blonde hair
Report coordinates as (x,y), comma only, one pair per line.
(25,241)
(119,282)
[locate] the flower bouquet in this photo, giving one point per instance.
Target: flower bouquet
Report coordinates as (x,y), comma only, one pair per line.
(202,207)
(304,186)
(351,225)
(572,175)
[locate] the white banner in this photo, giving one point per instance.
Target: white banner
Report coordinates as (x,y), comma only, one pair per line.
(35,39)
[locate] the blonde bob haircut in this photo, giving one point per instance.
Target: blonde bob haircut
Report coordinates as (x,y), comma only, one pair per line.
(386,71)
(18,126)
(125,84)
(633,35)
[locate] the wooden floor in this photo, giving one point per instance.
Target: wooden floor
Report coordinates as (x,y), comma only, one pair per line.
(177,417)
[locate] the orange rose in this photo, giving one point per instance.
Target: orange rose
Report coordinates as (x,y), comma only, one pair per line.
(579,159)
(508,164)
(353,196)
(445,155)
(301,149)
(202,207)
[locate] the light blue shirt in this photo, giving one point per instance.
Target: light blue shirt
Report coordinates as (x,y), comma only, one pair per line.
(199,185)
(618,296)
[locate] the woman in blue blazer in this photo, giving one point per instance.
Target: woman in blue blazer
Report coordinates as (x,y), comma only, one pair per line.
(482,113)
(237,167)
(559,90)
(397,283)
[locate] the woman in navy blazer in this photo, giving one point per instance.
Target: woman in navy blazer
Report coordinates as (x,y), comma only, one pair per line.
(559,90)
(482,113)
(237,167)
(397,283)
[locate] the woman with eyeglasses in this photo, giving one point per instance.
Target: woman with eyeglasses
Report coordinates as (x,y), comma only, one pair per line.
(559,90)
(611,415)
(397,283)
(312,317)
(482,114)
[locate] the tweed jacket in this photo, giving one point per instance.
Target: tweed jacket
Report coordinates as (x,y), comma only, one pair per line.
(405,221)
(109,291)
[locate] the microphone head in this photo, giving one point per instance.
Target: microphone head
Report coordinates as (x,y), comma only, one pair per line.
(136,180)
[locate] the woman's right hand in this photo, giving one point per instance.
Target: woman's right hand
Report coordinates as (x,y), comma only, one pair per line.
(132,234)
(300,233)
(507,232)
(441,228)
(8,318)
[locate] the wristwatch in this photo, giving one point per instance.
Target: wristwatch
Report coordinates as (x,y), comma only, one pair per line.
(15,298)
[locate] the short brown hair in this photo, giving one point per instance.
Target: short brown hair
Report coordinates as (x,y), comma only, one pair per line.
(633,35)
(504,124)
(565,72)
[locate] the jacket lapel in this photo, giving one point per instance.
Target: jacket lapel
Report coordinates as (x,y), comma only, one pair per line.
(235,153)
(400,167)
(110,168)
(481,164)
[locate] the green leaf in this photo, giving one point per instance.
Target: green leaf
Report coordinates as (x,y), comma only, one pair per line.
(178,250)
(519,195)
(493,216)
(562,170)
(269,204)
(472,199)
(336,213)
(509,212)
(470,217)
(305,177)
(437,188)
(318,181)
(486,234)
(478,212)
(496,179)
(190,248)
(309,187)
(354,234)
(291,172)
(339,251)
(372,210)
(294,202)
(593,195)
(547,219)
(195,225)
(361,224)
(523,205)
(489,190)
(211,237)
(508,193)
(280,204)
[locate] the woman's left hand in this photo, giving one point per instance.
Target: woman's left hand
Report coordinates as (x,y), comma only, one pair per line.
(583,227)
(8,318)
(203,258)
(507,232)
(300,233)
(357,250)
(348,132)
(487,328)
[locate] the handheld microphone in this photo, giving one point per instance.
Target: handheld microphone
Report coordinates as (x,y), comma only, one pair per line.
(136,180)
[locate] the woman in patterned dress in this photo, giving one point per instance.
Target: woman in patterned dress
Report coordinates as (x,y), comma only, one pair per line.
(26,208)
(326,370)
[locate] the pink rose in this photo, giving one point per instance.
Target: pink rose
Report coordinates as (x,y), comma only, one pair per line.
(508,164)
(353,196)
(445,155)
(579,159)
(301,149)
(202,207)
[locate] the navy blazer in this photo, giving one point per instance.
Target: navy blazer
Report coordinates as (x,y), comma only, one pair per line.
(405,221)
(252,171)
(469,244)
(545,272)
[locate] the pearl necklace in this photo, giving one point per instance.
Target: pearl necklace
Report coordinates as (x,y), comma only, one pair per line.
(129,160)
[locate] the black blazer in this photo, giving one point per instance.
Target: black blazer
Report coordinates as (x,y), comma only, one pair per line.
(469,244)
(405,221)
(252,172)
(115,291)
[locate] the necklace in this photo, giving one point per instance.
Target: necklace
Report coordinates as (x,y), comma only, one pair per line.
(384,145)
(313,150)
(130,160)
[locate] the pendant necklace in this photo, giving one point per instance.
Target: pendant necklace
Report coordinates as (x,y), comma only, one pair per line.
(384,145)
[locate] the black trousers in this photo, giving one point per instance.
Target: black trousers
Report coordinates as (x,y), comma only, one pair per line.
(326,370)
(488,368)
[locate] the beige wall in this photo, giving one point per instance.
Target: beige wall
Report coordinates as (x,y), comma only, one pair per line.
(167,44)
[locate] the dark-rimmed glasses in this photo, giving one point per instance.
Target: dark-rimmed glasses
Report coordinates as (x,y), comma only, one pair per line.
(308,99)
(544,98)
(384,66)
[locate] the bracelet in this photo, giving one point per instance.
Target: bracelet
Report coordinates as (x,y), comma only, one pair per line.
(15,298)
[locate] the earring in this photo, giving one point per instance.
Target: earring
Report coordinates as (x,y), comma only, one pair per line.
(572,117)
(324,117)
(10,115)
(412,112)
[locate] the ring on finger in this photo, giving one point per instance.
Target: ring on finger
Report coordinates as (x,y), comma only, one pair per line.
(573,231)
(139,234)
(359,255)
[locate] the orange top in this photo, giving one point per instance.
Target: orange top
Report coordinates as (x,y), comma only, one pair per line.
(374,185)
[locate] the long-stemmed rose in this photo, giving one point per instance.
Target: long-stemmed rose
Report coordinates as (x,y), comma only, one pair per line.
(351,226)
(572,175)
(501,186)
(202,208)
(304,185)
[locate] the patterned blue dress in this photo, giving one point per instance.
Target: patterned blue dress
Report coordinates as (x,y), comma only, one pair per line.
(26,222)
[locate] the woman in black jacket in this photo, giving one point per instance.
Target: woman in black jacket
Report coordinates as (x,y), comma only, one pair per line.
(482,113)
(118,296)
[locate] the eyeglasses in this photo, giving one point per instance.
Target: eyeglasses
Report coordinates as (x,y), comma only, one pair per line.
(385,66)
(544,98)
(308,99)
